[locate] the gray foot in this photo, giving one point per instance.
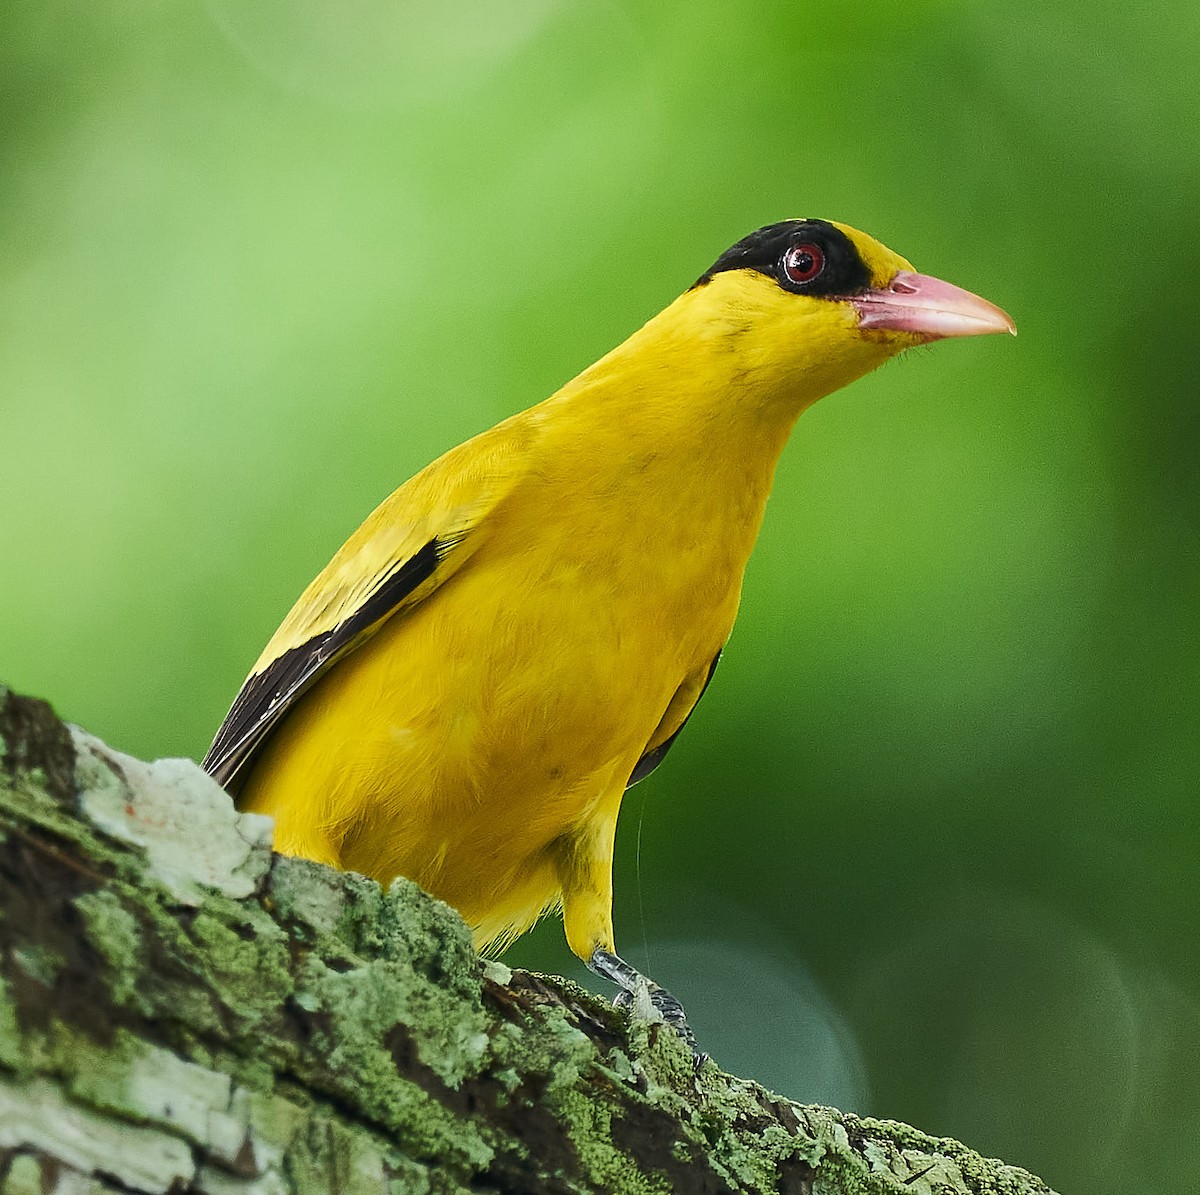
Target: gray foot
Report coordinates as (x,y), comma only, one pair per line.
(643,998)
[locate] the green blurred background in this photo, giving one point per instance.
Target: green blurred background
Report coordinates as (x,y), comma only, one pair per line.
(928,848)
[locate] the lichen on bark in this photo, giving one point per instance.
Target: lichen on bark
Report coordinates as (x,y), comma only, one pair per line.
(183,1011)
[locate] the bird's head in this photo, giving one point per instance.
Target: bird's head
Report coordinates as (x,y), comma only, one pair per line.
(805,306)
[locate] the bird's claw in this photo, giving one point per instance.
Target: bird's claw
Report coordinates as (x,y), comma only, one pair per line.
(654,1003)
(643,998)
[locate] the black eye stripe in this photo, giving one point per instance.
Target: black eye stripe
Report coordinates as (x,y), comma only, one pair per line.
(844,273)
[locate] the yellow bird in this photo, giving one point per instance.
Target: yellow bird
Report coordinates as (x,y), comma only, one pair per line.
(520,632)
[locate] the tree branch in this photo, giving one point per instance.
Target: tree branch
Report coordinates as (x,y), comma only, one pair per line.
(182,1011)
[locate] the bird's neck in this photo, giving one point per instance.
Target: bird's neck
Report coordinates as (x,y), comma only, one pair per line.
(695,400)
(678,436)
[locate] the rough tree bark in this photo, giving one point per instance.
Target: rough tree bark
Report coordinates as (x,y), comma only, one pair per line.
(182,1011)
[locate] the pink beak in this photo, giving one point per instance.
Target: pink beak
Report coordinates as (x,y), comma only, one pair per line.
(929,308)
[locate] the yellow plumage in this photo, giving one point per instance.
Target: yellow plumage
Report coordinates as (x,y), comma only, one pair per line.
(572,575)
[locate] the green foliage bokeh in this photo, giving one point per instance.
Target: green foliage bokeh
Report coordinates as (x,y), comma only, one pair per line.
(928,847)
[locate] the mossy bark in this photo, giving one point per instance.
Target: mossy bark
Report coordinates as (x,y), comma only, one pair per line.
(182,1011)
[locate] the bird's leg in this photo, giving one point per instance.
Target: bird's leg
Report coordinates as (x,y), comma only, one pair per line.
(585,867)
(643,997)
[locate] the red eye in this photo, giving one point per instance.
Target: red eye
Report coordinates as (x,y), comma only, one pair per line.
(802,263)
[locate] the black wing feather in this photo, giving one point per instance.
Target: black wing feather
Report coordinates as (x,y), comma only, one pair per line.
(652,759)
(269,694)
